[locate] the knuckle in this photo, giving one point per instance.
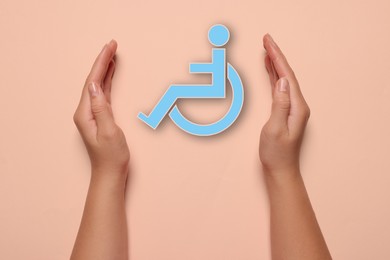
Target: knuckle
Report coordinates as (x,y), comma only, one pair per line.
(76,118)
(282,103)
(98,108)
(308,112)
(304,111)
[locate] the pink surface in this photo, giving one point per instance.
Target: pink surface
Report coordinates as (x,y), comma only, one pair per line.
(191,197)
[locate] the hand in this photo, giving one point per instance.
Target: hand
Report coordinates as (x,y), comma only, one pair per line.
(281,136)
(105,142)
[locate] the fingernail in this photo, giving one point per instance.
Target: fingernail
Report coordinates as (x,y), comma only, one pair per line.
(283,85)
(93,89)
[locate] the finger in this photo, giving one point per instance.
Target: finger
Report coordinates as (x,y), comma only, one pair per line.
(281,105)
(270,71)
(276,76)
(97,72)
(100,109)
(108,81)
(277,57)
(283,69)
(99,68)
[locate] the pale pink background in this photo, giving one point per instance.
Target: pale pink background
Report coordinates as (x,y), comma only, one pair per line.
(190,197)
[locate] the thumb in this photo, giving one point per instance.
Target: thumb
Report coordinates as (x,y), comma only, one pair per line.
(281,103)
(100,107)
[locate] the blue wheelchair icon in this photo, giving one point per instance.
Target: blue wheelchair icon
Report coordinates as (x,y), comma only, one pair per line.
(218,36)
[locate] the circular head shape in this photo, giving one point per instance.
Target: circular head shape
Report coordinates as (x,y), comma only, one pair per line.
(219,35)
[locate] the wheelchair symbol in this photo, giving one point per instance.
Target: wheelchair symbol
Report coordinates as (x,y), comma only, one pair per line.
(218,36)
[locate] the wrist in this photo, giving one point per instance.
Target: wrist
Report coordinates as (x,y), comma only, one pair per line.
(113,171)
(282,175)
(114,180)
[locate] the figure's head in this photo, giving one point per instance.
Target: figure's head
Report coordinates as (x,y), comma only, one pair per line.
(219,35)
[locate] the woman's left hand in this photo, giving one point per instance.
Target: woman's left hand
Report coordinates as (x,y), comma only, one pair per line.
(104,139)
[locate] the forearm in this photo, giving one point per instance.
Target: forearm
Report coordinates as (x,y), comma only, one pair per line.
(295,233)
(103,228)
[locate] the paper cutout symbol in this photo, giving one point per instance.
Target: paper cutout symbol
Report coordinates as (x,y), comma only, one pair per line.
(218,36)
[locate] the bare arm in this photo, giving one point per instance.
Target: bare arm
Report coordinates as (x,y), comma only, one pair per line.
(295,233)
(103,229)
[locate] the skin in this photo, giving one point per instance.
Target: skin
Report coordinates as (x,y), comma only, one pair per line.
(295,233)
(103,229)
